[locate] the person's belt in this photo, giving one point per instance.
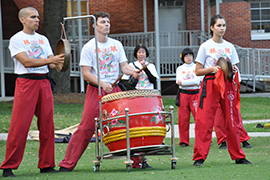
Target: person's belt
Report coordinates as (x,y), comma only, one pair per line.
(32,76)
(203,95)
(92,85)
(39,77)
(189,91)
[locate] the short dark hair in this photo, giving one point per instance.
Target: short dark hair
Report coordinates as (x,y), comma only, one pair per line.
(213,21)
(100,14)
(185,52)
(137,49)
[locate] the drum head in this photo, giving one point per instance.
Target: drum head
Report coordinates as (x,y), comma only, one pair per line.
(63,47)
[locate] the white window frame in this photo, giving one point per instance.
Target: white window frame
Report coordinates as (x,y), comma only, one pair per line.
(260,34)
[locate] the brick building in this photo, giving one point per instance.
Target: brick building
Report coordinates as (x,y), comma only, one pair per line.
(248,21)
(127,17)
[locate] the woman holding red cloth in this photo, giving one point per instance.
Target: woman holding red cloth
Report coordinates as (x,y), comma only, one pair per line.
(216,90)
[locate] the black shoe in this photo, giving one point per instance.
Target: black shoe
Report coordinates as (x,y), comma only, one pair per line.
(246,144)
(63,169)
(8,173)
(183,145)
(48,170)
(223,145)
(198,162)
(148,166)
(260,126)
(242,161)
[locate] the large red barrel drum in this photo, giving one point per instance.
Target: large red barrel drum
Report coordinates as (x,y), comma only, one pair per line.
(144,130)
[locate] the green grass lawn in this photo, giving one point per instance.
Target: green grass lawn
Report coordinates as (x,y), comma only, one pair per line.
(218,164)
(66,115)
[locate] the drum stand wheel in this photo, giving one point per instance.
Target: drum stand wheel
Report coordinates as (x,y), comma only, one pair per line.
(173,162)
(96,167)
(173,165)
(128,167)
(128,164)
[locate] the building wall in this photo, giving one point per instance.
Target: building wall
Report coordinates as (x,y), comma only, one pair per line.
(126,15)
(237,17)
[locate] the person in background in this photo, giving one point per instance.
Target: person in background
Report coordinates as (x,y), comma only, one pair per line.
(211,96)
(189,85)
(149,74)
(32,54)
(111,57)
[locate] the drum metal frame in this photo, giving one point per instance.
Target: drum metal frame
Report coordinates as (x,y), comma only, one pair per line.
(133,152)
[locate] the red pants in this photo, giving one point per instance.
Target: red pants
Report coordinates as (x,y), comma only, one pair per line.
(31,97)
(205,119)
(221,131)
(81,137)
(188,103)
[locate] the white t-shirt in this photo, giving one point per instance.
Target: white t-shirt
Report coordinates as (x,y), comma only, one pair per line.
(36,46)
(210,51)
(186,74)
(110,54)
(143,81)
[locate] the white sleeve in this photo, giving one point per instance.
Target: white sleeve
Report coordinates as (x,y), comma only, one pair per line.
(201,55)
(16,46)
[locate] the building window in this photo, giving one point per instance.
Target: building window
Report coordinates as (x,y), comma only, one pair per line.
(260,20)
(72,26)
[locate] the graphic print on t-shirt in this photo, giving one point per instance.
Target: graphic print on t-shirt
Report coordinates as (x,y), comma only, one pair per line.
(188,75)
(225,53)
(35,51)
(107,61)
(143,81)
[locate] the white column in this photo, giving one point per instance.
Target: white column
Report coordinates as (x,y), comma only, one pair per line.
(157,44)
(3,93)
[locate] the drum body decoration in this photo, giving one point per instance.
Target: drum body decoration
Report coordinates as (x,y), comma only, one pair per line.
(144,130)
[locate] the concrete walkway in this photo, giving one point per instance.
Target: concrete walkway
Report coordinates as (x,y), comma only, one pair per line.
(251,134)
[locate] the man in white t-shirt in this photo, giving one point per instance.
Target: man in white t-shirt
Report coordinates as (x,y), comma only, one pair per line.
(32,54)
(111,56)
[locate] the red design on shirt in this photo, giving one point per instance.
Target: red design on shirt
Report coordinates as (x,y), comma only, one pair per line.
(40,41)
(227,50)
(113,48)
(26,42)
(213,51)
(99,51)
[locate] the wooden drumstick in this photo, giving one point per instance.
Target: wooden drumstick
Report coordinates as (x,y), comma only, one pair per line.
(118,79)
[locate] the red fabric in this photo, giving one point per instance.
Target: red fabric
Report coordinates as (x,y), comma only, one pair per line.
(188,104)
(31,97)
(236,80)
(205,119)
(81,137)
(220,128)
(220,82)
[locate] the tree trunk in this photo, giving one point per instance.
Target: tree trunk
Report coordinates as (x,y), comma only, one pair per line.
(54,12)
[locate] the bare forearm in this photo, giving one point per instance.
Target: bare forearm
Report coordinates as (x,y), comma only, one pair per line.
(32,62)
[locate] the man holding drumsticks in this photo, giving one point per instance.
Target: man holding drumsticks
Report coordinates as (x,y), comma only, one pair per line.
(111,56)
(32,54)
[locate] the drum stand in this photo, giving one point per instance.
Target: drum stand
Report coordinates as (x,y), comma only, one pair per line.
(137,151)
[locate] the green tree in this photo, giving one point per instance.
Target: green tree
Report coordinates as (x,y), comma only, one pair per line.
(54,12)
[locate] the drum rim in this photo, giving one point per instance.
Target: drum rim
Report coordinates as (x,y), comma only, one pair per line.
(130,94)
